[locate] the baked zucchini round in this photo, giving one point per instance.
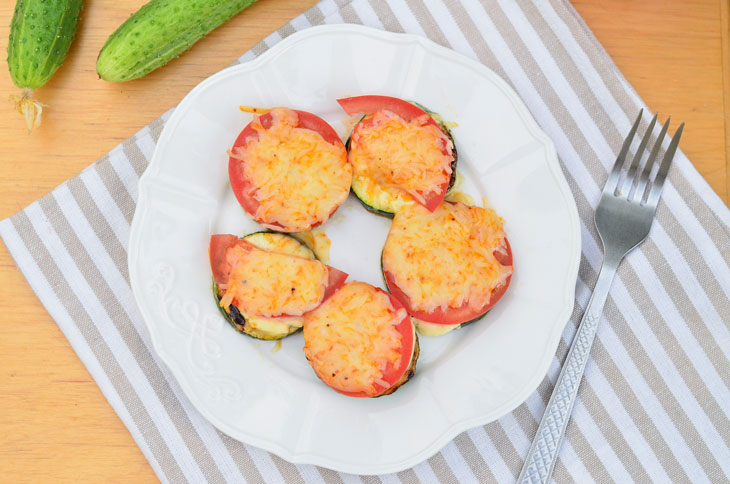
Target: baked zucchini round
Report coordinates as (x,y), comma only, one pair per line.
(361,341)
(400,153)
(264,282)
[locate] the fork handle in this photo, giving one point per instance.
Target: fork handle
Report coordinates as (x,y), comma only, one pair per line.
(543,453)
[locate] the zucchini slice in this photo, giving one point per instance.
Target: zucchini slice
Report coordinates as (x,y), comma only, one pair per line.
(361,342)
(434,329)
(373,196)
(381,202)
(257,326)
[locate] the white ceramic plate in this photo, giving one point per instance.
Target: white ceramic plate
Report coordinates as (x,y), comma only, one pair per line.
(268,396)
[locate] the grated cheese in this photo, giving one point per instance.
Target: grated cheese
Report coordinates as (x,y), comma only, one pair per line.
(352,338)
(271,284)
(298,178)
(446,258)
(402,156)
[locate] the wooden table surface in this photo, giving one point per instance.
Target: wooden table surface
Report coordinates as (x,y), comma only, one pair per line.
(55,424)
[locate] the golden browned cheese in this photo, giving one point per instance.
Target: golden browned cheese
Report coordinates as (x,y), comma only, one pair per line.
(445,258)
(399,156)
(300,177)
(352,337)
(272,284)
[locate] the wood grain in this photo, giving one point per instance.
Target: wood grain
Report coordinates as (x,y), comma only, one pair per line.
(672,54)
(725,40)
(56,424)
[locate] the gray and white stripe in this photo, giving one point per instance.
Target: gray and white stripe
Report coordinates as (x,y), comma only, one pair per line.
(654,403)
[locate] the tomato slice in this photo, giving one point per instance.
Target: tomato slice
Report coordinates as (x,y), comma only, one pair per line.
(455,315)
(335,280)
(242,189)
(371,104)
(391,374)
(434,199)
(219,245)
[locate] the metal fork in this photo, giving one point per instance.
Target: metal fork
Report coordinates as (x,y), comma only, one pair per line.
(623,219)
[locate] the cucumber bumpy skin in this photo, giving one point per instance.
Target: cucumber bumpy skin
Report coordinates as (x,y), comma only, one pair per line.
(41,33)
(158,32)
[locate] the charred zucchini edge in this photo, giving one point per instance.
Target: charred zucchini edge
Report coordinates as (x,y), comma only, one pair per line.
(238,320)
(383,211)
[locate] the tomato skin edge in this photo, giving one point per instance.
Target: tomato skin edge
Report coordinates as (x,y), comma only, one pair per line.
(307,120)
(335,280)
(370,104)
(217,248)
(456,315)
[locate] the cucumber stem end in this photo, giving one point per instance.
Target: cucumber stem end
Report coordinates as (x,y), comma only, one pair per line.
(30,108)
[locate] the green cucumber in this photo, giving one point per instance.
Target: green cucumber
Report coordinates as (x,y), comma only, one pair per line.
(41,33)
(158,32)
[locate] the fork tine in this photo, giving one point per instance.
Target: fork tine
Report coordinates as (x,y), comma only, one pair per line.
(631,174)
(612,181)
(656,187)
(644,178)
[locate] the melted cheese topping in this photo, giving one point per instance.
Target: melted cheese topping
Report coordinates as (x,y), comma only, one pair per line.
(459,196)
(272,284)
(272,328)
(456,195)
(433,329)
(402,156)
(317,240)
(296,176)
(280,244)
(385,198)
(446,258)
(352,337)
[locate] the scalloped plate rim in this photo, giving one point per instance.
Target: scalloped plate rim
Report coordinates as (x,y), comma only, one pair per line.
(458,427)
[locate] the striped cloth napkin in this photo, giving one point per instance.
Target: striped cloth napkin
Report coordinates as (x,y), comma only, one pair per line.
(655,402)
